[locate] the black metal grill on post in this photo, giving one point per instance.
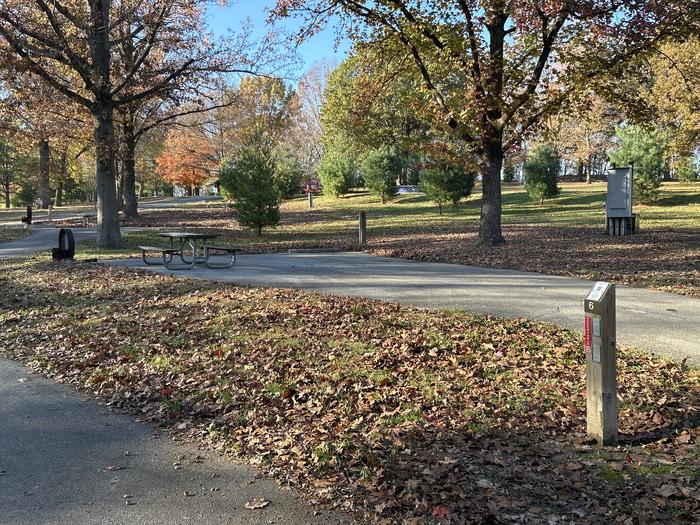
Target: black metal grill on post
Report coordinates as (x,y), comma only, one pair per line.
(66,246)
(27,219)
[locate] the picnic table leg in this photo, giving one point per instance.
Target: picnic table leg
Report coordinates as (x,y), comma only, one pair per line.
(205,252)
(181,250)
(145,259)
(231,262)
(188,265)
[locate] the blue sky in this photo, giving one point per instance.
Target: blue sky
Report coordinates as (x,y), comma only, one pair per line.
(320,46)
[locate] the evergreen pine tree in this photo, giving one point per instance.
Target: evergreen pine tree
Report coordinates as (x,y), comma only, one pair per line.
(541,170)
(336,170)
(289,175)
(251,182)
(446,183)
(645,149)
(380,171)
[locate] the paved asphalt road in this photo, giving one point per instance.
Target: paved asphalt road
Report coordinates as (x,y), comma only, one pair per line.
(59,455)
(660,322)
(43,240)
(41,216)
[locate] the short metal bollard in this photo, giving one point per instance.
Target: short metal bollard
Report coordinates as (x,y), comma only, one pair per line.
(601,364)
(311,199)
(363,228)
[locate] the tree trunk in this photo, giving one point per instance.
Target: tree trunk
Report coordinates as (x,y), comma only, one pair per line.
(58,198)
(120,185)
(490,233)
(589,168)
(129,170)
(580,171)
(108,234)
(6,187)
(44,183)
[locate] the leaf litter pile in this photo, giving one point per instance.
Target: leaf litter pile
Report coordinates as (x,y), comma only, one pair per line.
(395,414)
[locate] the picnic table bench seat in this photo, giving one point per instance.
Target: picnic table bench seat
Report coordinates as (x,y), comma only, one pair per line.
(229,250)
(226,249)
(168,253)
(164,252)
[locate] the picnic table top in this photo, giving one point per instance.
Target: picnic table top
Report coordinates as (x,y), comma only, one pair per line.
(188,235)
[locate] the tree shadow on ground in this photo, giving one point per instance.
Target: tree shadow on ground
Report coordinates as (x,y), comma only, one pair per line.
(679,200)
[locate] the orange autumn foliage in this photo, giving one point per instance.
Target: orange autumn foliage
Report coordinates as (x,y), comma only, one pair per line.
(187,159)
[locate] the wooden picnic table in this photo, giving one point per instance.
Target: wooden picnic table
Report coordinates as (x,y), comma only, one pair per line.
(198,252)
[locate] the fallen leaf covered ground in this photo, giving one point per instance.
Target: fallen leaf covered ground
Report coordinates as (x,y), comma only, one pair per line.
(397,414)
(9,234)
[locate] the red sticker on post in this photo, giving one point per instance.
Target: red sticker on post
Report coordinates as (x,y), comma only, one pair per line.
(588,332)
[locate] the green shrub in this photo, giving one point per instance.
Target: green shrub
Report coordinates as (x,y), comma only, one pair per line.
(336,171)
(446,184)
(250,182)
(645,149)
(380,171)
(687,170)
(289,176)
(509,172)
(541,171)
(25,196)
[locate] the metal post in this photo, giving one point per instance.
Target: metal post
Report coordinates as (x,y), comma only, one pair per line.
(363,228)
(601,364)
(311,199)
(50,208)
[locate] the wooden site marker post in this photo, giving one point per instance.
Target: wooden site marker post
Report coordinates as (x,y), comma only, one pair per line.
(311,199)
(363,228)
(601,364)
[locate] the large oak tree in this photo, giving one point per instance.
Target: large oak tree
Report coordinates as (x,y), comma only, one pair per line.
(72,44)
(517,61)
(191,92)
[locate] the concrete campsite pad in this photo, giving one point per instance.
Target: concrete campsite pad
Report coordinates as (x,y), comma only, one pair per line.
(659,322)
